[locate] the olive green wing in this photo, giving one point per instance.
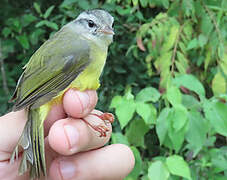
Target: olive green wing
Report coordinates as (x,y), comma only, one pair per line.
(50,70)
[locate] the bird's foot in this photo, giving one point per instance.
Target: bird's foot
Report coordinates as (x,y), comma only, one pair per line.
(102,128)
(106,117)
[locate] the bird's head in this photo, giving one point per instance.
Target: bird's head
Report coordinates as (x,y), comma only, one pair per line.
(95,25)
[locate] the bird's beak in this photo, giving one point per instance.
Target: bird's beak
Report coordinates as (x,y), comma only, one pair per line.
(107,30)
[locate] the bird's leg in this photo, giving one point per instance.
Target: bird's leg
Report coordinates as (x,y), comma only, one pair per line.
(101,128)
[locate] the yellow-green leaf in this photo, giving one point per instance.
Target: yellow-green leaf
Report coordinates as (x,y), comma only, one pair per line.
(177,166)
(171,38)
(219,84)
(158,171)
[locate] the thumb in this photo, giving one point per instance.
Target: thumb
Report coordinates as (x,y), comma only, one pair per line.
(79,104)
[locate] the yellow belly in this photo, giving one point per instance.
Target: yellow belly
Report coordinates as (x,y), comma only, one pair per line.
(88,79)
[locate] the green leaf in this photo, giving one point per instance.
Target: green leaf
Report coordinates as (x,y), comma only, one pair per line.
(138,165)
(48,11)
(134,2)
(144,3)
(177,166)
(140,128)
(221,50)
(180,117)
(202,40)
(219,84)
(171,38)
(84,5)
(15,24)
(125,112)
(122,11)
(223,65)
(174,95)
(158,171)
(190,102)
(207,60)
(66,3)
(163,65)
(118,138)
(28,19)
(174,9)
(148,94)
(48,24)
(144,177)
(182,48)
(187,7)
(147,111)
(163,124)
(35,35)
(116,101)
(180,68)
(51,25)
(193,44)
(128,94)
(40,24)
(216,113)
(219,159)
(206,24)
(37,7)
(177,127)
(183,61)
(191,82)
(197,131)
(23,40)
(8,46)
(188,30)
(165,3)
(119,69)
(6,31)
(124,107)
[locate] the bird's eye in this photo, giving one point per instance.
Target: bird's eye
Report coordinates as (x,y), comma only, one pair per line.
(91,23)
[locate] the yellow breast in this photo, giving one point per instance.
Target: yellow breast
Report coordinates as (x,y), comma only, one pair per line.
(89,78)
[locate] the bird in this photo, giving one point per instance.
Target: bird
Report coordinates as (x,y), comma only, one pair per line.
(73,57)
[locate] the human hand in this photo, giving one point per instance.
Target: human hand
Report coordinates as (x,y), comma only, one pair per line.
(73,149)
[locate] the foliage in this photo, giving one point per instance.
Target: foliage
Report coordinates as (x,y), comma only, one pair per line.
(165,78)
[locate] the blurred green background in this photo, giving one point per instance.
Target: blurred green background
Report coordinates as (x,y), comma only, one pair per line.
(165,78)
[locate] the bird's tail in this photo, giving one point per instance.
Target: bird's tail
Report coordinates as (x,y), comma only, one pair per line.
(32,142)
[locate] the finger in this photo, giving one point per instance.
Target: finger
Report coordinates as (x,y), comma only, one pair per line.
(108,163)
(12,125)
(78,104)
(56,112)
(69,136)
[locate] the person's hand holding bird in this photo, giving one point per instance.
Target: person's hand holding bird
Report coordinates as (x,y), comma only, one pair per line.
(73,149)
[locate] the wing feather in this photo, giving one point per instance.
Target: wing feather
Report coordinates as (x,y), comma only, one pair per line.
(49,72)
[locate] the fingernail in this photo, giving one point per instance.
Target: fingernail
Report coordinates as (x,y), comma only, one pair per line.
(72,136)
(84,99)
(67,169)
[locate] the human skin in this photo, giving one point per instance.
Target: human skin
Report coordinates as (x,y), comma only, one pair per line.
(73,149)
